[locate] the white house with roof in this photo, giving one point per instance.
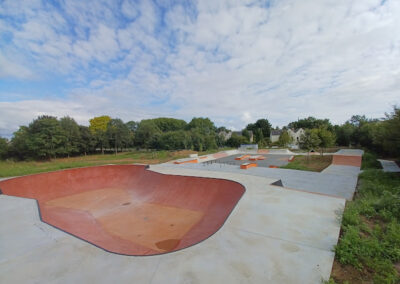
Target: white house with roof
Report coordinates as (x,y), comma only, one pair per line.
(274,135)
(295,134)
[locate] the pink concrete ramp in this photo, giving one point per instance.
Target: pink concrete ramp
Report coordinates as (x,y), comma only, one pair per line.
(347,160)
(128,209)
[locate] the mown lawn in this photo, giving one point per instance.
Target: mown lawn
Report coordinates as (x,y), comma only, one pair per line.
(12,168)
(368,250)
(314,163)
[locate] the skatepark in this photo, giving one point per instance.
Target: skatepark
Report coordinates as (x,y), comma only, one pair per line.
(196,220)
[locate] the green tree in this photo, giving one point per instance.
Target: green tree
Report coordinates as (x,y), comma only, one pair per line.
(204,125)
(72,135)
(222,129)
(210,142)
(3,148)
(386,134)
(259,135)
(19,147)
(236,140)
(98,128)
(87,142)
(147,134)
(311,123)
(118,133)
(132,126)
(174,140)
(309,141)
(246,133)
(46,138)
(285,139)
(344,133)
(264,126)
(327,138)
(170,124)
(197,138)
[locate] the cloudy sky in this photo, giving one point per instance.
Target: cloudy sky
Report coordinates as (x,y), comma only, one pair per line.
(232,61)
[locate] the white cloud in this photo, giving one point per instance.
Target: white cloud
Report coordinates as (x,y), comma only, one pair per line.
(12,69)
(233,61)
(129,9)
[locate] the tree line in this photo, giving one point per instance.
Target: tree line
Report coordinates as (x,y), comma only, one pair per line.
(48,137)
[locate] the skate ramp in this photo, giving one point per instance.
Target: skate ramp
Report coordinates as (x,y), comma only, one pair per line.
(128,209)
(347,160)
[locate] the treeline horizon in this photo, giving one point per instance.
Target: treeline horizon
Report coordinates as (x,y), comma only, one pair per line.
(48,137)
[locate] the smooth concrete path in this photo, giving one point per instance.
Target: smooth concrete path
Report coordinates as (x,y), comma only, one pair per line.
(341,170)
(273,235)
(350,152)
(389,166)
(333,182)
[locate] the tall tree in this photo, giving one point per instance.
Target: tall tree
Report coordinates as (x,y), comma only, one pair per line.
(169,124)
(327,138)
(3,148)
(310,123)
(147,134)
(387,134)
(87,142)
(98,127)
(265,130)
(285,139)
(46,138)
(19,146)
(246,134)
(204,125)
(236,140)
(118,132)
(72,135)
(309,141)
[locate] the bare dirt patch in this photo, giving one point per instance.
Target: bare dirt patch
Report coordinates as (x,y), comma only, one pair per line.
(342,273)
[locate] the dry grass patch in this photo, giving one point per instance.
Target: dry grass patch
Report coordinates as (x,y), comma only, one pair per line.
(314,163)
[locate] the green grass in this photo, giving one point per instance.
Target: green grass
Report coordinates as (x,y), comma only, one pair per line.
(369,161)
(370,240)
(313,163)
(12,168)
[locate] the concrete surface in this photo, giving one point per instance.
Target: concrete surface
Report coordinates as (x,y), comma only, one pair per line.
(350,152)
(270,160)
(274,235)
(129,209)
(340,170)
(389,166)
(333,182)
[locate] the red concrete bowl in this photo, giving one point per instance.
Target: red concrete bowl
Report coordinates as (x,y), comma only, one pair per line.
(128,209)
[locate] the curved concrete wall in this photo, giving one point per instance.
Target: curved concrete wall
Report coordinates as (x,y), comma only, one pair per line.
(127,209)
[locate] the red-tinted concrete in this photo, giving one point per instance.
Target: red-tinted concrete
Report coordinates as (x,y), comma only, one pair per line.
(194,161)
(246,166)
(127,209)
(242,157)
(345,160)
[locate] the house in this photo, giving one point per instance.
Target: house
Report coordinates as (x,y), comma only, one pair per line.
(295,134)
(225,135)
(274,135)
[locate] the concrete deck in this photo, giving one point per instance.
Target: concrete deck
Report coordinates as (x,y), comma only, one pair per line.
(337,181)
(389,166)
(274,235)
(270,160)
